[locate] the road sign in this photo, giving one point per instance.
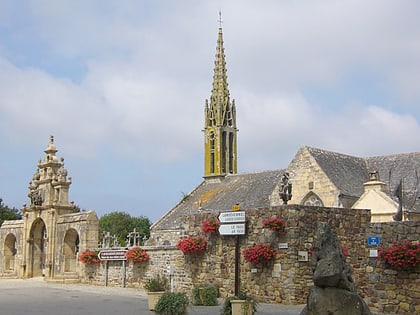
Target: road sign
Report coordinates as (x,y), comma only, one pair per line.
(229,217)
(112,254)
(232,229)
(373,240)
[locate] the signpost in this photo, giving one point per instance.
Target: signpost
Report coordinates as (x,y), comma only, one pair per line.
(233,223)
(228,217)
(232,229)
(112,254)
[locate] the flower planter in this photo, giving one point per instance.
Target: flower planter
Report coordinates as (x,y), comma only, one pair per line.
(153,298)
(241,307)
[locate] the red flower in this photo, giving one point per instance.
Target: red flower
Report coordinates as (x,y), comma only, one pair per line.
(259,254)
(192,245)
(275,224)
(137,255)
(404,255)
(210,226)
(89,257)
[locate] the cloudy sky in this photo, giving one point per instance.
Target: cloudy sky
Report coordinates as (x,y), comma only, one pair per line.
(122,86)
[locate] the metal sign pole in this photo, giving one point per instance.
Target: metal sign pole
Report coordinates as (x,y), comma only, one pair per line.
(237,265)
(106,273)
(123,273)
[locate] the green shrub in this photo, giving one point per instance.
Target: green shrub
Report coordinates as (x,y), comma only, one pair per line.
(205,294)
(172,304)
(156,284)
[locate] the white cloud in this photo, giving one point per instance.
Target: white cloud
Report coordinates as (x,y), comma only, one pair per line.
(147,68)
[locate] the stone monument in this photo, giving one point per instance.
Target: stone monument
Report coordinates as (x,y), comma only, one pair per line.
(334,291)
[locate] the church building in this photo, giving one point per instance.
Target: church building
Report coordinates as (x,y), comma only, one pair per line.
(319,177)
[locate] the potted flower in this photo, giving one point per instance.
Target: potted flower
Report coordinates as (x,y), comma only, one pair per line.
(192,245)
(259,254)
(242,304)
(275,224)
(210,226)
(89,257)
(155,287)
(137,255)
(401,256)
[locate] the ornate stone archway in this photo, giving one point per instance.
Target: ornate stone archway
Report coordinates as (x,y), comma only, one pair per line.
(37,249)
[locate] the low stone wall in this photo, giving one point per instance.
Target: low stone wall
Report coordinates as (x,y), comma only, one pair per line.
(389,290)
(287,279)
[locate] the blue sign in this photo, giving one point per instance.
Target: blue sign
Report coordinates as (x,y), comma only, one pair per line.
(373,240)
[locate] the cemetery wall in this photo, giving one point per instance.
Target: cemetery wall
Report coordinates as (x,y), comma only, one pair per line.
(288,278)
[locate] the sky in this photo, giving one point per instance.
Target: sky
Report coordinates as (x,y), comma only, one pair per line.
(122,87)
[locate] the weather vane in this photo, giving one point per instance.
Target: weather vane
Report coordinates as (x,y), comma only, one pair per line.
(220,18)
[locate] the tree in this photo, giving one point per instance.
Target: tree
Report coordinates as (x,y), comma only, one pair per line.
(7,213)
(121,224)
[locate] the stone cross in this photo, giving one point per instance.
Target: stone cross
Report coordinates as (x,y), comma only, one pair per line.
(133,238)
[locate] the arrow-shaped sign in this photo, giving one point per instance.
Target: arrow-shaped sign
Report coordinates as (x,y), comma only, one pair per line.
(232,229)
(230,217)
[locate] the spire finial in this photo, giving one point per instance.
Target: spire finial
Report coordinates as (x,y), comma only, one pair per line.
(220,18)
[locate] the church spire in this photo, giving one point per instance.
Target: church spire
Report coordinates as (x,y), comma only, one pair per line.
(220,121)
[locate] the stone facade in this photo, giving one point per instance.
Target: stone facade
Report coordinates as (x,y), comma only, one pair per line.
(47,240)
(287,279)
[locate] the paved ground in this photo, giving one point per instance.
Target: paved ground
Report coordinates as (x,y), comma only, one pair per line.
(36,297)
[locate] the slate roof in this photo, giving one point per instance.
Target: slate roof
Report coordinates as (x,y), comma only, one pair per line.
(393,168)
(349,173)
(250,191)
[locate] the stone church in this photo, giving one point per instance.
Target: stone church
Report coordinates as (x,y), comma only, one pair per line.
(319,177)
(47,240)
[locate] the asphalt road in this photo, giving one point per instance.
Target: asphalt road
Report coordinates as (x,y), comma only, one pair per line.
(36,297)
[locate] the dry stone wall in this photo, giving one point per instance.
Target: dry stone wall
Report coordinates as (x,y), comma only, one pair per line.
(287,279)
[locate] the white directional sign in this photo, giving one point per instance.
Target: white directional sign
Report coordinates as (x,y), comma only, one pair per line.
(234,216)
(112,254)
(232,229)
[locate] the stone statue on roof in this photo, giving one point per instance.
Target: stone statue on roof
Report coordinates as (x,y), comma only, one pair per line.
(285,188)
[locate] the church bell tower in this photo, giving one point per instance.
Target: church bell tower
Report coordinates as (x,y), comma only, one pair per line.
(220,131)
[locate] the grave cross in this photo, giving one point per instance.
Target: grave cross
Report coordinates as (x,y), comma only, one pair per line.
(133,238)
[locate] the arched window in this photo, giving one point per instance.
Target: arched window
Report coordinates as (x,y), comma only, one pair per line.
(211,152)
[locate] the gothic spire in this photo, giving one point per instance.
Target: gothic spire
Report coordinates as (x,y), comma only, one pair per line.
(220,121)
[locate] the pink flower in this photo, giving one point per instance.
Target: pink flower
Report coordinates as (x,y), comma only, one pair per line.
(210,226)
(259,254)
(192,245)
(404,255)
(275,224)
(137,255)
(89,257)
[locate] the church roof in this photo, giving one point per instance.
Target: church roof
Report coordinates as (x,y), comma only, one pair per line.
(349,173)
(250,191)
(394,168)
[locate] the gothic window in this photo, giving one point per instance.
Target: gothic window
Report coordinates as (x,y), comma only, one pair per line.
(223,153)
(231,152)
(312,199)
(211,152)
